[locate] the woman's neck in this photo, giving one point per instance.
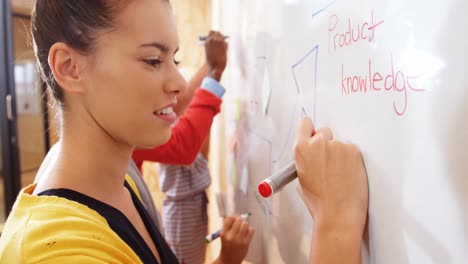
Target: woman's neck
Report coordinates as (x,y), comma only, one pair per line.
(88,160)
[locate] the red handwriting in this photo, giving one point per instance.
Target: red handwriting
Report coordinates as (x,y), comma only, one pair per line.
(394,82)
(350,33)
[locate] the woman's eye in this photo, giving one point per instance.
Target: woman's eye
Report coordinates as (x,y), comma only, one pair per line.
(153,62)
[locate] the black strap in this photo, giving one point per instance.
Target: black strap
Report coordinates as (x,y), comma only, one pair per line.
(120,224)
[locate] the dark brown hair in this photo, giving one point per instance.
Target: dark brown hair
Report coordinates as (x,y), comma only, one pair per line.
(76,23)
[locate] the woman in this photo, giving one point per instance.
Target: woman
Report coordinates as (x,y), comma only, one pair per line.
(101,58)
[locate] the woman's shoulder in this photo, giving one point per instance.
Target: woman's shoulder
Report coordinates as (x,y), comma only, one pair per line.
(41,228)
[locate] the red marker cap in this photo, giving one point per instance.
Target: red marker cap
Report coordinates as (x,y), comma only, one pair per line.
(265,189)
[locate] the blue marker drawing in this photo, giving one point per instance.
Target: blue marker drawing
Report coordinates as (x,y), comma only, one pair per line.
(304,112)
(311,57)
(302,71)
(294,69)
(323,8)
(299,90)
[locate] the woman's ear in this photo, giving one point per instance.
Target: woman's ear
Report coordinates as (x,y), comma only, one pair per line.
(66,65)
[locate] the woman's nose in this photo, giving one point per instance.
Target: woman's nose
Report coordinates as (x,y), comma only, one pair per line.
(176,82)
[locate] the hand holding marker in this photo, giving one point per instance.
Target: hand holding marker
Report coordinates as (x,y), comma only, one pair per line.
(216,234)
(277,181)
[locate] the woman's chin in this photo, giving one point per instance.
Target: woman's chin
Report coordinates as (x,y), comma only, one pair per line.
(154,141)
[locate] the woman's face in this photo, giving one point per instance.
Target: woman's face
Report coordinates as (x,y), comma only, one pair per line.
(133,79)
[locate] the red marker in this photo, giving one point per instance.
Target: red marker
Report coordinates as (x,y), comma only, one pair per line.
(277,181)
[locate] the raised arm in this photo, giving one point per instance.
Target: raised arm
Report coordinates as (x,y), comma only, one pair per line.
(205,150)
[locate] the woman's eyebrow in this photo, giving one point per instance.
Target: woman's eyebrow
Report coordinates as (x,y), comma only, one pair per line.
(164,48)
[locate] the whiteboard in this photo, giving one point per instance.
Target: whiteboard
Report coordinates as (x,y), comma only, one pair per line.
(389,76)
